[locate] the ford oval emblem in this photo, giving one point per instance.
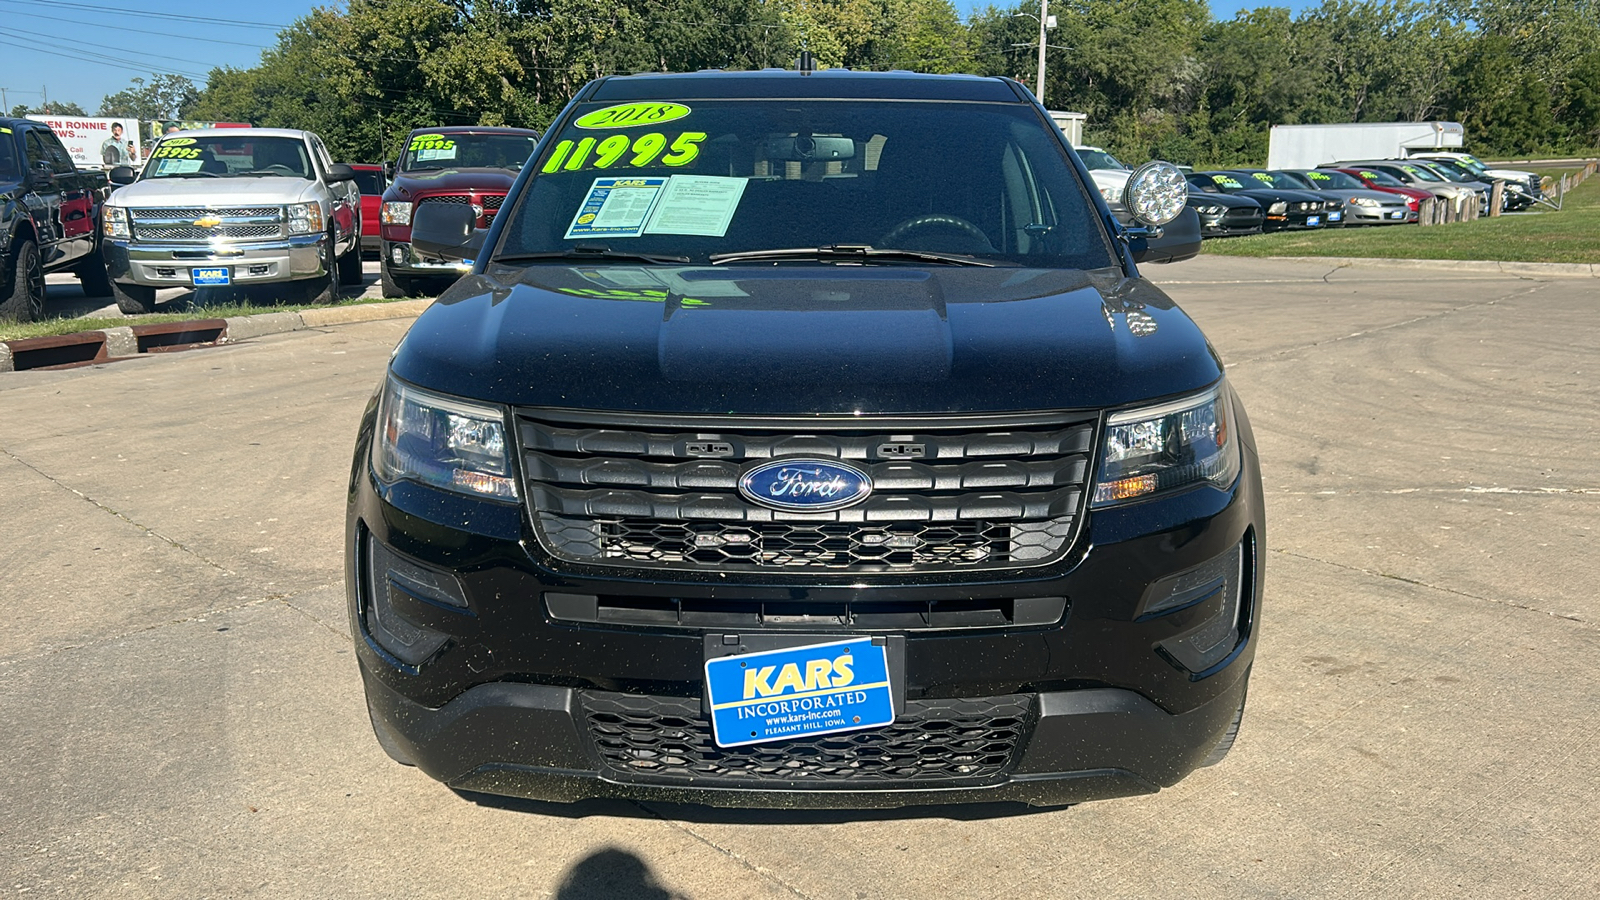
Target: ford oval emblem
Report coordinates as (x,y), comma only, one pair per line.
(805,485)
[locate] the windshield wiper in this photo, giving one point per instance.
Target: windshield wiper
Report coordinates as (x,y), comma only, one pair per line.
(591,251)
(849,252)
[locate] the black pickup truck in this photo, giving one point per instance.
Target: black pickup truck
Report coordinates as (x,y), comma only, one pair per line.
(49,219)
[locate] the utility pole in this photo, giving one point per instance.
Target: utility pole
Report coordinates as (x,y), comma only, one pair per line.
(1044,16)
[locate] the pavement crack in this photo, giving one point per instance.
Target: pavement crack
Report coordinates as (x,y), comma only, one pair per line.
(1333,271)
(1390,576)
(173,542)
(734,855)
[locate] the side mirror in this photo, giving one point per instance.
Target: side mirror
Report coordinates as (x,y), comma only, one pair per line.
(1178,241)
(388,171)
(122,175)
(340,172)
(447,231)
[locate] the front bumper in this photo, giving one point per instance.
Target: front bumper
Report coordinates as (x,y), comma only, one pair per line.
(505,698)
(1378,215)
(1230,224)
(260,262)
(403,259)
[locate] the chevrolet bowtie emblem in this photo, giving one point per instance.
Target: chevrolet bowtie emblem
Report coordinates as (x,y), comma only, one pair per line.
(207,222)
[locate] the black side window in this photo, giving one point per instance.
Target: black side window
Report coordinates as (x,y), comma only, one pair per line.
(36,152)
(61,160)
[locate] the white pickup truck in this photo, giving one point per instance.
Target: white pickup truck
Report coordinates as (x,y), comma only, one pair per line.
(231,207)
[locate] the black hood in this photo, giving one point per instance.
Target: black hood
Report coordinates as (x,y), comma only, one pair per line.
(802,339)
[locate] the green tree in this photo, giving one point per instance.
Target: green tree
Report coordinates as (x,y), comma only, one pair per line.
(162,97)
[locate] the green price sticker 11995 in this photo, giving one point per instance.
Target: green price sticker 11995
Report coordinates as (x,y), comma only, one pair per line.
(641,151)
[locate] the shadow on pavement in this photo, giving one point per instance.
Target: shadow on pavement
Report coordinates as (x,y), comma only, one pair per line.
(689,812)
(609,874)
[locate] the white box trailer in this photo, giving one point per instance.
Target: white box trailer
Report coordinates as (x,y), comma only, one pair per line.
(1309,146)
(1070,123)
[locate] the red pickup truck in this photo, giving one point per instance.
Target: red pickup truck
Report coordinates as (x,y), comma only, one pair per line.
(472,165)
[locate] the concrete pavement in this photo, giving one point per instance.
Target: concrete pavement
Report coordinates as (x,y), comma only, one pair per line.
(180,713)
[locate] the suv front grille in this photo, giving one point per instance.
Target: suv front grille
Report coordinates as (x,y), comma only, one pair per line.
(975,495)
(667,740)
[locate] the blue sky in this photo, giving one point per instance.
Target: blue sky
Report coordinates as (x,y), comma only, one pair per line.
(81,50)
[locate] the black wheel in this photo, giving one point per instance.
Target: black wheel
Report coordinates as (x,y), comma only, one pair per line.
(386,739)
(1220,751)
(350,266)
(134,299)
(395,285)
(322,290)
(92,275)
(23,297)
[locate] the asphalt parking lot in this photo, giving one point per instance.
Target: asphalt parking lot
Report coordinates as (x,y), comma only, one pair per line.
(181,715)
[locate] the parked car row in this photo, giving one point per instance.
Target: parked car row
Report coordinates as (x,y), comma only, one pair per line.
(1233,202)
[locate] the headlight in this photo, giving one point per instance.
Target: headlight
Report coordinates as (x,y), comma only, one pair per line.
(305,218)
(1209,210)
(1167,447)
(1108,193)
(443,442)
(1278,209)
(1364,201)
(116,222)
(396,212)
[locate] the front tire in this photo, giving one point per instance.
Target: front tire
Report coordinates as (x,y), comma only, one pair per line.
(349,266)
(92,274)
(25,292)
(134,299)
(395,286)
(322,290)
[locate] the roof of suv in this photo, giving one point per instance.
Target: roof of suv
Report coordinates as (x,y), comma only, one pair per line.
(787,83)
(473,129)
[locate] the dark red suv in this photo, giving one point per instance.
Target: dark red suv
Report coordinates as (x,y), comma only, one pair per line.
(472,165)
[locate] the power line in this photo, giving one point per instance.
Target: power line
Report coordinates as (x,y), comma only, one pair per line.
(20,33)
(176,17)
(95,58)
(165,34)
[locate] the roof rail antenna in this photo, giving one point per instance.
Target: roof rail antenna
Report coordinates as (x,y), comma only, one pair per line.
(806,62)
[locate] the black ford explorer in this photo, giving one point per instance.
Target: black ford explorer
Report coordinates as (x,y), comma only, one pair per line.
(807,439)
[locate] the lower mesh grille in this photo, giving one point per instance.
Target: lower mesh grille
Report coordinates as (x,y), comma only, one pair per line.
(667,740)
(781,545)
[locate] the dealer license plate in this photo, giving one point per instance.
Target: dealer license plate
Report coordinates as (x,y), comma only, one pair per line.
(1313,220)
(217,275)
(1397,215)
(1334,217)
(795,692)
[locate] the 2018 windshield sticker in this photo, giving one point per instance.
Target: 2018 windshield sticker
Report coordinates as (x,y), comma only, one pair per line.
(431,142)
(573,156)
(632,115)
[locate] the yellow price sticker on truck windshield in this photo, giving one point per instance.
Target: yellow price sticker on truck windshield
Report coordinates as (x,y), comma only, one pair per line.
(1264,177)
(431,142)
(167,152)
(632,115)
(1318,176)
(622,150)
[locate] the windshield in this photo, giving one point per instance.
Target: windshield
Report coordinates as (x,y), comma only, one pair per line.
(1099,159)
(1279,180)
(9,170)
(1421,174)
(1450,170)
(1381,178)
(242,156)
(1323,180)
(710,177)
(1222,180)
(466,150)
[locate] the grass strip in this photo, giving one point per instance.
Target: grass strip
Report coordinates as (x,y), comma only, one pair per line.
(12,331)
(1547,236)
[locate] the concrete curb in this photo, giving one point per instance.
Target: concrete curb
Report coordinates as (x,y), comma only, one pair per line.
(1548,270)
(123,342)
